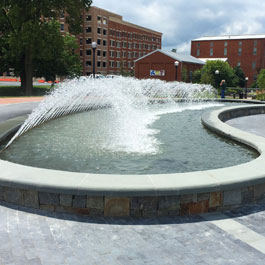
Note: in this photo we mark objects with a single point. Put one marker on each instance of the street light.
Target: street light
(176, 63)
(216, 78)
(246, 88)
(94, 46)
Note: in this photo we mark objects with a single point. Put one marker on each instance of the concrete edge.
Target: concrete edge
(45, 180)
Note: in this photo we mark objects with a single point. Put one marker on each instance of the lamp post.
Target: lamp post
(176, 63)
(246, 88)
(216, 77)
(94, 46)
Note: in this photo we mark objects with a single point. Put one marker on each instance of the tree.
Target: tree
(225, 72)
(261, 79)
(196, 76)
(24, 29)
(239, 77)
(60, 59)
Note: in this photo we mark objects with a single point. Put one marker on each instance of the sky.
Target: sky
(180, 21)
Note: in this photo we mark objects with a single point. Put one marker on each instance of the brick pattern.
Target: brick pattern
(159, 61)
(246, 59)
(141, 206)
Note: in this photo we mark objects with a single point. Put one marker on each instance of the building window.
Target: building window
(88, 41)
(98, 63)
(211, 51)
(81, 53)
(104, 54)
(140, 46)
(104, 43)
(88, 63)
(99, 52)
(88, 52)
(255, 51)
(111, 54)
(104, 21)
(99, 41)
(255, 43)
(239, 51)
(253, 65)
(211, 44)
(104, 64)
(118, 54)
(99, 19)
(238, 64)
(225, 44)
(129, 55)
(240, 43)
(255, 78)
(225, 51)
(88, 29)
(124, 45)
(81, 41)
(88, 18)
(118, 64)
(124, 54)
(124, 64)
(118, 44)
(104, 32)
(99, 30)
(62, 27)
(112, 43)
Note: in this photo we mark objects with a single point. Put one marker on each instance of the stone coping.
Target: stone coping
(61, 182)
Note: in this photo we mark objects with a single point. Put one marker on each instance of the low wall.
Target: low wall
(143, 195)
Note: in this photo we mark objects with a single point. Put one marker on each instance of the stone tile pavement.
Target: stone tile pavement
(40, 237)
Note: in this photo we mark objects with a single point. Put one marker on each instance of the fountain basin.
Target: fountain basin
(144, 195)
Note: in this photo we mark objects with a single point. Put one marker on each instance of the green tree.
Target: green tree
(25, 26)
(184, 74)
(225, 72)
(196, 76)
(60, 59)
(261, 79)
(239, 77)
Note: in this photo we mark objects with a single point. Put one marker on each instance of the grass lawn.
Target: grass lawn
(15, 91)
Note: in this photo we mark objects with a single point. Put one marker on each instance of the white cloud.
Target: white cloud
(181, 21)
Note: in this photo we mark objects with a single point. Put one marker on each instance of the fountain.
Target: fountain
(125, 118)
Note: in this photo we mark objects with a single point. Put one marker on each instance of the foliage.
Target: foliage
(225, 73)
(60, 59)
(260, 96)
(196, 76)
(184, 74)
(27, 26)
(239, 77)
(261, 79)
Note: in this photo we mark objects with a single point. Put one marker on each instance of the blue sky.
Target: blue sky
(180, 21)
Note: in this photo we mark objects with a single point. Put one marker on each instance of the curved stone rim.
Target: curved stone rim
(54, 181)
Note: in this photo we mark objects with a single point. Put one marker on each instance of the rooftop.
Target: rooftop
(232, 37)
(177, 56)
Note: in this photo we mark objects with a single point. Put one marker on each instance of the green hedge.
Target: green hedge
(260, 96)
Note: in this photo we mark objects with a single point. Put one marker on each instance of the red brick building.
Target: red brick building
(119, 42)
(168, 66)
(246, 51)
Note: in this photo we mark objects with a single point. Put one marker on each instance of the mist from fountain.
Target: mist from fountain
(129, 100)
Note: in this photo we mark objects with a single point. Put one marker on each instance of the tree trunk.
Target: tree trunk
(28, 71)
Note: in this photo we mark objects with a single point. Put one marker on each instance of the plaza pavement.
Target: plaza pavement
(30, 236)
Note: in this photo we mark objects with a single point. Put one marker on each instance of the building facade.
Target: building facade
(246, 51)
(119, 43)
(168, 66)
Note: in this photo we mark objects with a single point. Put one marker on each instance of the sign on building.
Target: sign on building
(157, 72)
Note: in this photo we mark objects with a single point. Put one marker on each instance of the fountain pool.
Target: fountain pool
(132, 110)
